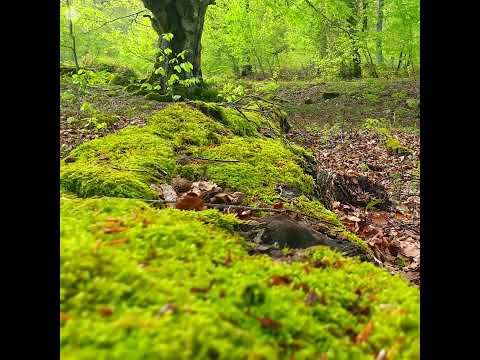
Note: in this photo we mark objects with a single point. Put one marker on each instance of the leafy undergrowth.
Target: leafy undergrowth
(143, 283)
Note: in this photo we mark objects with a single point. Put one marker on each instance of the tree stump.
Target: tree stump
(352, 190)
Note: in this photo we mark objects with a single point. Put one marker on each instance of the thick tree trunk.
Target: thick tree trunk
(379, 31)
(184, 19)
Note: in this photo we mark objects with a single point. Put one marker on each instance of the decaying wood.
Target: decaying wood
(352, 190)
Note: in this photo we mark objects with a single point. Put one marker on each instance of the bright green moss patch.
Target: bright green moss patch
(184, 125)
(240, 122)
(126, 163)
(394, 146)
(122, 164)
(262, 164)
(143, 283)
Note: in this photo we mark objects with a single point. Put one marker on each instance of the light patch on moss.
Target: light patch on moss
(161, 257)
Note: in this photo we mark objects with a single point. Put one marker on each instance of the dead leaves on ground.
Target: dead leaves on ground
(393, 237)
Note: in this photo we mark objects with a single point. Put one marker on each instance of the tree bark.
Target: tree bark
(72, 35)
(184, 19)
(379, 31)
(353, 34)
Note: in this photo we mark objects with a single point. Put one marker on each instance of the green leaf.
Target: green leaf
(173, 79)
(168, 37)
(168, 51)
(182, 54)
(160, 71)
(187, 66)
(178, 69)
(176, 97)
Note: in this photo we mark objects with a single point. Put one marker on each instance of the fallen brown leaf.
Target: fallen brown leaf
(106, 311)
(190, 202)
(280, 280)
(115, 229)
(268, 323)
(365, 333)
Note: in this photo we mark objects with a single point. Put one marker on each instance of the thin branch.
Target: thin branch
(119, 18)
(218, 160)
(333, 23)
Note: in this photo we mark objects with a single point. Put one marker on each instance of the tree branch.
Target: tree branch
(119, 18)
(333, 23)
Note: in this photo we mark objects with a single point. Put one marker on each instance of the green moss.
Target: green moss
(184, 125)
(158, 97)
(122, 164)
(263, 164)
(393, 145)
(163, 257)
(241, 122)
(123, 76)
(333, 226)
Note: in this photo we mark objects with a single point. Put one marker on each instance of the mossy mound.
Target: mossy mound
(262, 165)
(241, 123)
(143, 283)
(126, 163)
(122, 164)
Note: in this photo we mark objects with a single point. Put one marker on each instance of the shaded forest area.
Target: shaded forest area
(240, 179)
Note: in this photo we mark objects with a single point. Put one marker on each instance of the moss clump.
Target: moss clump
(183, 125)
(394, 146)
(335, 228)
(122, 164)
(158, 97)
(262, 165)
(123, 76)
(142, 283)
(241, 123)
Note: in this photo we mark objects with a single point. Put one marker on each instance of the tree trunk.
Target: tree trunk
(353, 34)
(72, 35)
(379, 31)
(184, 19)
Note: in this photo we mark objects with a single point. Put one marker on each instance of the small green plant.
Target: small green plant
(67, 96)
(399, 95)
(267, 87)
(373, 98)
(95, 119)
(231, 92)
(381, 126)
(173, 70)
(373, 203)
(393, 145)
(399, 262)
(363, 167)
(85, 78)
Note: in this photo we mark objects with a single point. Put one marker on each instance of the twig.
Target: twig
(139, 170)
(110, 21)
(219, 160)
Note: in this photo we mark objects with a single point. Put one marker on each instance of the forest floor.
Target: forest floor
(336, 130)
(330, 118)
